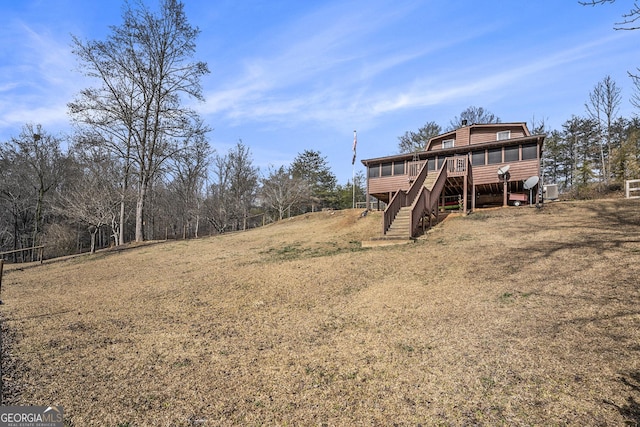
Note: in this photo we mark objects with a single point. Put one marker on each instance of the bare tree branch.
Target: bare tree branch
(630, 18)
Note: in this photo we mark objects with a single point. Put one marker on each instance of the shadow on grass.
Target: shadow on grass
(631, 409)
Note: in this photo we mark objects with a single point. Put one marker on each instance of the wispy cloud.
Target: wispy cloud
(319, 78)
(38, 78)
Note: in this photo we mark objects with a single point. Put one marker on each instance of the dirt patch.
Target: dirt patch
(517, 316)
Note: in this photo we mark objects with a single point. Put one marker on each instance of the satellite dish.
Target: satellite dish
(503, 170)
(531, 182)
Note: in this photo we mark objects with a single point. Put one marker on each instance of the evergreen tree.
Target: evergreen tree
(313, 169)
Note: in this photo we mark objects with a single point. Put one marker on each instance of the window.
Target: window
(505, 134)
(448, 143)
(398, 168)
(374, 171)
(529, 151)
(431, 164)
(511, 154)
(495, 156)
(386, 169)
(477, 158)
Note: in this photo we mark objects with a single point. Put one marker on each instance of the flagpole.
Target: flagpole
(353, 184)
(353, 168)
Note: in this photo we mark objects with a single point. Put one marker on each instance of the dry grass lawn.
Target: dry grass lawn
(513, 316)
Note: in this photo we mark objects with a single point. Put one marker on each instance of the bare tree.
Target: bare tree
(629, 22)
(94, 200)
(144, 69)
(603, 107)
(190, 174)
(40, 152)
(635, 97)
(473, 115)
(281, 191)
(218, 194)
(243, 184)
(629, 19)
(417, 141)
(15, 200)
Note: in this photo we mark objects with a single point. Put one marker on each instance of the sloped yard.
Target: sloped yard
(513, 316)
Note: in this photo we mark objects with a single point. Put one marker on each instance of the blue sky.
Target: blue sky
(290, 75)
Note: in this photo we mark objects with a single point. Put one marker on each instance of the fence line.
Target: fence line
(629, 189)
(21, 251)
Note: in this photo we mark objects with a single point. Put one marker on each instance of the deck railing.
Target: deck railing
(457, 166)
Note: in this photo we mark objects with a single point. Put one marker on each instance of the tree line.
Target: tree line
(139, 164)
(78, 199)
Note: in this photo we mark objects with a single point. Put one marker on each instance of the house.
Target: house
(474, 165)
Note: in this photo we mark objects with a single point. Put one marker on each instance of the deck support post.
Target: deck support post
(465, 191)
(504, 192)
(473, 197)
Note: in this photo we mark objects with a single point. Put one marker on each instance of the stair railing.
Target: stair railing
(427, 200)
(397, 202)
(402, 198)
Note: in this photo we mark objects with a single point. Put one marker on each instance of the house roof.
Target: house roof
(457, 150)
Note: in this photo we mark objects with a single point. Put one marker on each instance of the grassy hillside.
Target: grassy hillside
(514, 316)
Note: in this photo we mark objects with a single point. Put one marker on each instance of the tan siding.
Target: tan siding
(489, 135)
(436, 144)
(519, 171)
(462, 136)
(388, 184)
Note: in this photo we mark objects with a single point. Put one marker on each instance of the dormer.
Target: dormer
(478, 134)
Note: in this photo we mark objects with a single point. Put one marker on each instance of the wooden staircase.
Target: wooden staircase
(407, 210)
(401, 225)
(430, 181)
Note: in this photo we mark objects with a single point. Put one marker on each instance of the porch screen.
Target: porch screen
(495, 156)
(398, 168)
(477, 158)
(529, 152)
(374, 171)
(386, 169)
(431, 164)
(511, 154)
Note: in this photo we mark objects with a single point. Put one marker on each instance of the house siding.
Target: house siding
(480, 136)
(388, 184)
(488, 174)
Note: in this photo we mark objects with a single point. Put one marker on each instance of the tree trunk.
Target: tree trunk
(120, 240)
(93, 240)
(142, 192)
(36, 229)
